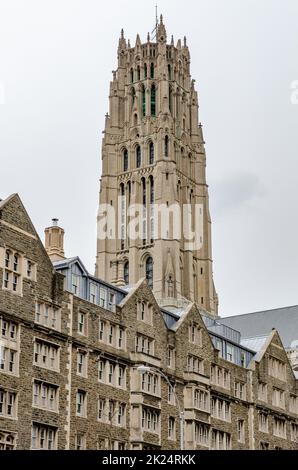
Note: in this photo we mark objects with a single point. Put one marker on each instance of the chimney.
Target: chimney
(54, 241)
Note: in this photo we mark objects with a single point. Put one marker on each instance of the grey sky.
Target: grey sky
(56, 59)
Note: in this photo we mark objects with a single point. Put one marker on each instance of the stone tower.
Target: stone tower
(153, 155)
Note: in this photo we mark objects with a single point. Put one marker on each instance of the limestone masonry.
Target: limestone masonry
(135, 356)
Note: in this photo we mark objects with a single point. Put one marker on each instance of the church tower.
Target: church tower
(153, 156)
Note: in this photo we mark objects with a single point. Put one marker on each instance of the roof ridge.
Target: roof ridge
(259, 311)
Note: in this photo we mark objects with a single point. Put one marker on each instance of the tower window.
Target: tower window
(125, 160)
(126, 272)
(166, 146)
(145, 71)
(152, 70)
(153, 100)
(169, 72)
(138, 156)
(151, 153)
(143, 101)
(170, 99)
(149, 271)
(138, 73)
(144, 191)
(133, 96)
(131, 75)
(151, 189)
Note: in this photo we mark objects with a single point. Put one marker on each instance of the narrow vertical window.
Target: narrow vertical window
(125, 160)
(143, 101)
(133, 96)
(123, 219)
(126, 272)
(170, 99)
(138, 156)
(138, 73)
(144, 215)
(169, 72)
(151, 153)
(149, 271)
(153, 100)
(131, 75)
(152, 70)
(145, 71)
(166, 146)
(151, 183)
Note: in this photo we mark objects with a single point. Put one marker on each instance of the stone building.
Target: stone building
(73, 350)
(136, 357)
(153, 156)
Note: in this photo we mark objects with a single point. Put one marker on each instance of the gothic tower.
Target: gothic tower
(153, 155)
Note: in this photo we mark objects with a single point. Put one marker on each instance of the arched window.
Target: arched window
(143, 101)
(151, 182)
(138, 156)
(151, 189)
(151, 153)
(138, 73)
(170, 99)
(125, 160)
(166, 146)
(122, 211)
(144, 215)
(153, 100)
(15, 262)
(179, 190)
(145, 71)
(131, 75)
(149, 271)
(7, 258)
(152, 70)
(143, 191)
(133, 96)
(129, 191)
(169, 72)
(126, 272)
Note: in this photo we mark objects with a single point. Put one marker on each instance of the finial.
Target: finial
(161, 18)
(148, 37)
(172, 40)
(128, 43)
(184, 41)
(122, 33)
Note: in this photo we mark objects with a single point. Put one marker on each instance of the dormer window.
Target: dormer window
(75, 283)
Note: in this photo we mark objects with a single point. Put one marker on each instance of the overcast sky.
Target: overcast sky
(56, 58)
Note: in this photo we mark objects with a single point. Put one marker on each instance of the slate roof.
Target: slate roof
(256, 324)
(255, 343)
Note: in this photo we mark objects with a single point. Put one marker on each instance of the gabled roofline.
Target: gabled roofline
(16, 195)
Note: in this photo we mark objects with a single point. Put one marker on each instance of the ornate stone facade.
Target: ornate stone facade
(153, 155)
